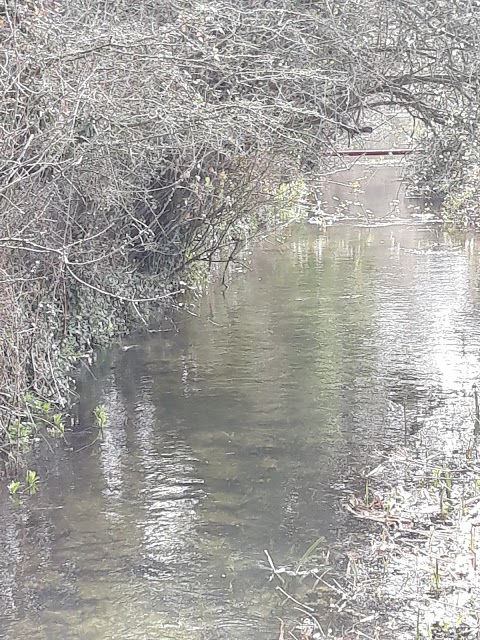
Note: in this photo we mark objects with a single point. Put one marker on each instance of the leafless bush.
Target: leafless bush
(138, 137)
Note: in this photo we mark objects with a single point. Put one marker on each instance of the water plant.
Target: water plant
(436, 580)
(20, 433)
(31, 485)
(57, 428)
(447, 477)
(309, 552)
(32, 481)
(367, 492)
(100, 417)
(13, 487)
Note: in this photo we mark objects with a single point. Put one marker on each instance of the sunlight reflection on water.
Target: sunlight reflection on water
(242, 432)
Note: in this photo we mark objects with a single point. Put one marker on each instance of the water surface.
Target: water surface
(241, 430)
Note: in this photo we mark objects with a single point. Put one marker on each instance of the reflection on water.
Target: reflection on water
(238, 433)
(368, 192)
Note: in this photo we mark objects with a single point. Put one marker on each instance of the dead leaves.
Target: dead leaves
(376, 512)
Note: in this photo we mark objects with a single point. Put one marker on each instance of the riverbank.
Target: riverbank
(125, 175)
(39, 382)
(411, 570)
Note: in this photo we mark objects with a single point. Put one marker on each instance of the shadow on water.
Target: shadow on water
(243, 431)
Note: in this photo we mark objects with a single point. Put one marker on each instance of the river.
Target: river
(241, 430)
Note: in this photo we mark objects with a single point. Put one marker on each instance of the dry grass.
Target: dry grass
(412, 569)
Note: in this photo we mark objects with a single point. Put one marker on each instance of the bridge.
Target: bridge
(370, 152)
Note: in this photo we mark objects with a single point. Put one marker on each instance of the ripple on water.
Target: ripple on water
(241, 433)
